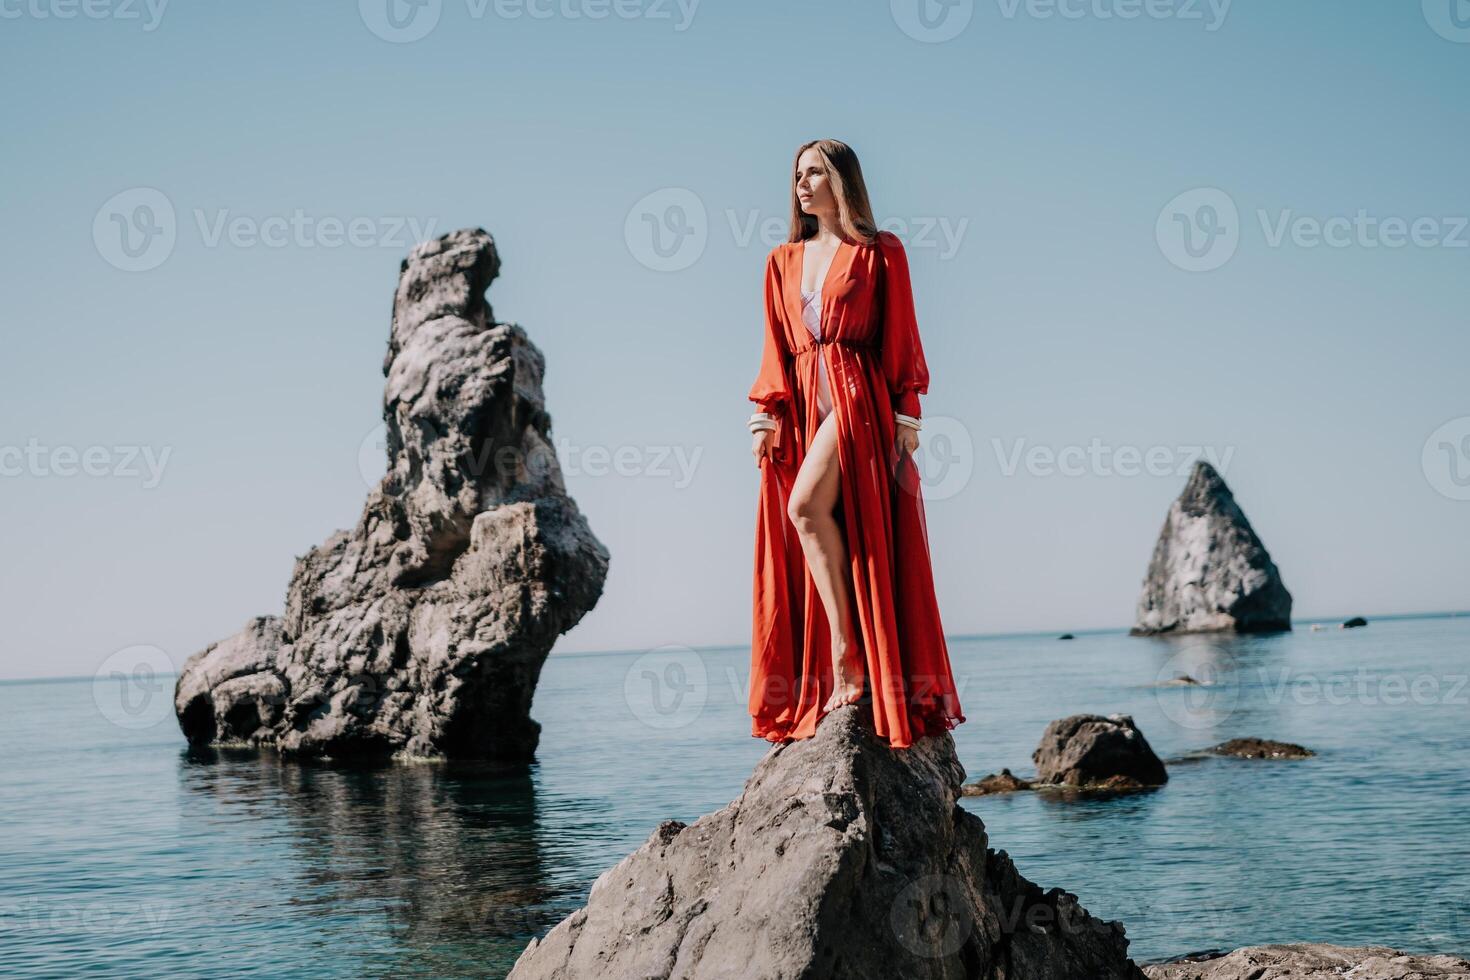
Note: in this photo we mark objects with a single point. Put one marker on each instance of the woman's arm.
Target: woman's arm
(771, 390)
(903, 354)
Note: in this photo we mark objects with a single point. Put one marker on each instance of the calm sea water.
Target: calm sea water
(125, 855)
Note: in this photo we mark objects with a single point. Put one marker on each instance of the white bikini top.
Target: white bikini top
(811, 313)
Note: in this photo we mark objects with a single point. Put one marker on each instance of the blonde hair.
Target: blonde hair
(845, 174)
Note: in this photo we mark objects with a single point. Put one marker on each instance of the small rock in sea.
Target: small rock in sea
(1355, 622)
(995, 784)
(1311, 961)
(1090, 751)
(1180, 680)
(842, 858)
(1066, 636)
(1260, 748)
(1209, 571)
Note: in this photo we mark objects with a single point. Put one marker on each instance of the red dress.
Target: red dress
(875, 366)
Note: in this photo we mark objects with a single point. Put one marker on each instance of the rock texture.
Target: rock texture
(1260, 748)
(843, 859)
(1311, 961)
(1209, 571)
(1092, 751)
(422, 631)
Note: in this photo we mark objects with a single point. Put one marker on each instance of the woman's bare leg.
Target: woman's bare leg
(814, 495)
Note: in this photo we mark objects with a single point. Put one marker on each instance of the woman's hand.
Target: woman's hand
(907, 440)
(760, 445)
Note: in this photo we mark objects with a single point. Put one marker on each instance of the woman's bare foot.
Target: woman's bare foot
(848, 674)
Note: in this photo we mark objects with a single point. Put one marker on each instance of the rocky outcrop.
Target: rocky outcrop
(422, 631)
(1209, 571)
(1313, 961)
(1354, 623)
(842, 858)
(1260, 748)
(1092, 751)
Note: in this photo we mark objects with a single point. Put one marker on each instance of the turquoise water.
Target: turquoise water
(125, 855)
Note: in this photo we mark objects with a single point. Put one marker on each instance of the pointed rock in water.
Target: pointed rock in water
(1209, 571)
(843, 859)
(422, 631)
(1091, 751)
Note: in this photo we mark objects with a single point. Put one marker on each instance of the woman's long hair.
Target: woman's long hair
(845, 175)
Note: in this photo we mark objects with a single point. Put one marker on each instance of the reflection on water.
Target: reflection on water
(436, 864)
(127, 854)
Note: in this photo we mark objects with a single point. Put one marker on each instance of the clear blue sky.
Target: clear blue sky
(1047, 142)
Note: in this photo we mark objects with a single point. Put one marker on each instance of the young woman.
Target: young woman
(844, 593)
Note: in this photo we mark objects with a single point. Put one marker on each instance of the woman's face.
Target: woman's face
(813, 191)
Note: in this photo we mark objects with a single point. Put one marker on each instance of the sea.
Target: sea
(126, 854)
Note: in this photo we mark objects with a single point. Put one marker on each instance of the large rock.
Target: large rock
(843, 859)
(1313, 961)
(1091, 751)
(1209, 571)
(422, 631)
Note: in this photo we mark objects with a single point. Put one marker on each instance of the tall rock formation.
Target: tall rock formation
(1209, 571)
(842, 859)
(421, 632)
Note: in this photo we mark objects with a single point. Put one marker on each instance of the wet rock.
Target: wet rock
(1209, 571)
(1313, 961)
(995, 784)
(843, 859)
(1260, 748)
(422, 630)
(1095, 751)
(1354, 623)
(1066, 636)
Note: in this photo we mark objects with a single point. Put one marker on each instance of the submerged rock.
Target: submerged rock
(1092, 751)
(842, 859)
(995, 784)
(422, 631)
(1312, 961)
(1209, 571)
(1260, 748)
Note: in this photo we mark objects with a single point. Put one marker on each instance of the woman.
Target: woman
(844, 593)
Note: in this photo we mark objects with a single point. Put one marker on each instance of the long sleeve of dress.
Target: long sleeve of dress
(903, 354)
(772, 387)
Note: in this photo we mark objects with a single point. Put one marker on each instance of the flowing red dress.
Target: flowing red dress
(875, 366)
